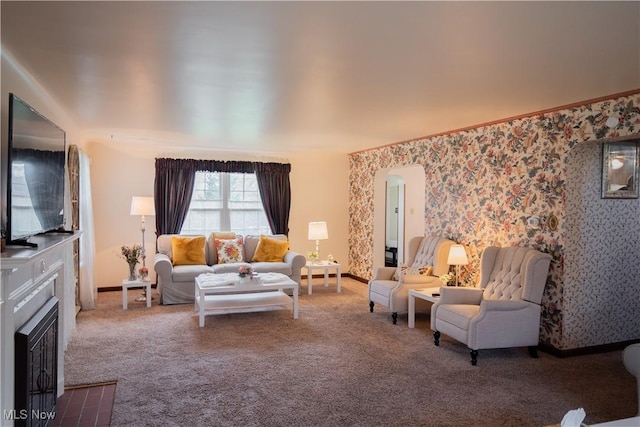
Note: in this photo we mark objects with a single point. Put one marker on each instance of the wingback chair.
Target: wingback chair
(631, 359)
(504, 311)
(390, 288)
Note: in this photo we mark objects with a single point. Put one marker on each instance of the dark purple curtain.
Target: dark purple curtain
(173, 189)
(174, 186)
(275, 192)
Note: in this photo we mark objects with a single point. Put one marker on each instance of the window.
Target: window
(225, 202)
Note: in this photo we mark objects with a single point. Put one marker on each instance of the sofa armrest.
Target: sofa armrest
(384, 273)
(418, 279)
(296, 261)
(163, 267)
(503, 305)
(457, 295)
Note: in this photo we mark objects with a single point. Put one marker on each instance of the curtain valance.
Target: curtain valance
(229, 166)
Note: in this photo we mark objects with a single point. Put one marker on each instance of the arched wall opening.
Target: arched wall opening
(413, 177)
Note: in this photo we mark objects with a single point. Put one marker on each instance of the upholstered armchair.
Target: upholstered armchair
(631, 359)
(390, 288)
(504, 311)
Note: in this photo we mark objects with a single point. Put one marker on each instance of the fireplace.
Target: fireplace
(36, 367)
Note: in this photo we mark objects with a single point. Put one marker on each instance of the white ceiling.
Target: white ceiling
(343, 76)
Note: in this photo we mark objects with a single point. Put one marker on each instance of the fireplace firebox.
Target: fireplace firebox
(36, 367)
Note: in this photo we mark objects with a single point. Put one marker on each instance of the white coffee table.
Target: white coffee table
(325, 266)
(425, 294)
(223, 293)
(126, 284)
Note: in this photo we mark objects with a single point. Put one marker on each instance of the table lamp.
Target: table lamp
(142, 206)
(457, 257)
(318, 231)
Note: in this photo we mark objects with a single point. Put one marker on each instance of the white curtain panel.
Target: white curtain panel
(88, 291)
(68, 311)
(68, 303)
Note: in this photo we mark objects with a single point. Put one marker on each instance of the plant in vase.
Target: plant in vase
(245, 272)
(446, 279)
(143, 272)
(313, 256)
(132, 255)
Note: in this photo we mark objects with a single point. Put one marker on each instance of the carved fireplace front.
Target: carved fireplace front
(36, 367)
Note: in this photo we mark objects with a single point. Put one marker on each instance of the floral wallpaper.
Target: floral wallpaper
(483, 184)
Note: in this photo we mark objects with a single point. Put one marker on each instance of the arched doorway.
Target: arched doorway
(410, 209)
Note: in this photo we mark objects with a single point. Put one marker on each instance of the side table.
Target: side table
(126, 284)
(425, 294)
(325, 266)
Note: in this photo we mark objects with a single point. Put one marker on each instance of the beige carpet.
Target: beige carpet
(337, 365)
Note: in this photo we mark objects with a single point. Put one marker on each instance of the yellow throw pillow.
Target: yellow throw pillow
(270, 250)
(188, 250)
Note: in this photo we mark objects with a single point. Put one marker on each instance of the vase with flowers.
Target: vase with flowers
(132, 255)
(143, 272)
(246, 273)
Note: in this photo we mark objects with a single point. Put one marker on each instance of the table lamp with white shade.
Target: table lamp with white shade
(142, 206)
(318, 231)
(457, 257)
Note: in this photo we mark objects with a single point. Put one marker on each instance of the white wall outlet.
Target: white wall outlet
(534, 222)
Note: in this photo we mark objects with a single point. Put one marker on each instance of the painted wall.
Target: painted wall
(483, 184)
(15, 80)
(119, 171)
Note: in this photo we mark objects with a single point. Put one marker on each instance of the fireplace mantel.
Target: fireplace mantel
(30, 277)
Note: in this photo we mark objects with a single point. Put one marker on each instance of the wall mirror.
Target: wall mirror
(620, 170)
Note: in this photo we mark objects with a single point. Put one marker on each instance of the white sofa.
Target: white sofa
(176, 284)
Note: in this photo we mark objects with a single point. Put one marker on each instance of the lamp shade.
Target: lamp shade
(457, 256)
(142, 206)
(318, 230)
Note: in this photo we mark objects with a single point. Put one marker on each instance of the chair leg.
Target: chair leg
(394, 317)
(436, 338)
(474, 357)
(371, 306)
(533, 351)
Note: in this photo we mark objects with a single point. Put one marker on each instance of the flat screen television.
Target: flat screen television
(36, 174)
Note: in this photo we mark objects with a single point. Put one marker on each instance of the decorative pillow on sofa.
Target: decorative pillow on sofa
(188, 250)
(229, 250)
(270, 249)
(412, 274)
(211, 242)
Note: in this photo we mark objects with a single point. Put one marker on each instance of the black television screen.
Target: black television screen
(36, 166)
